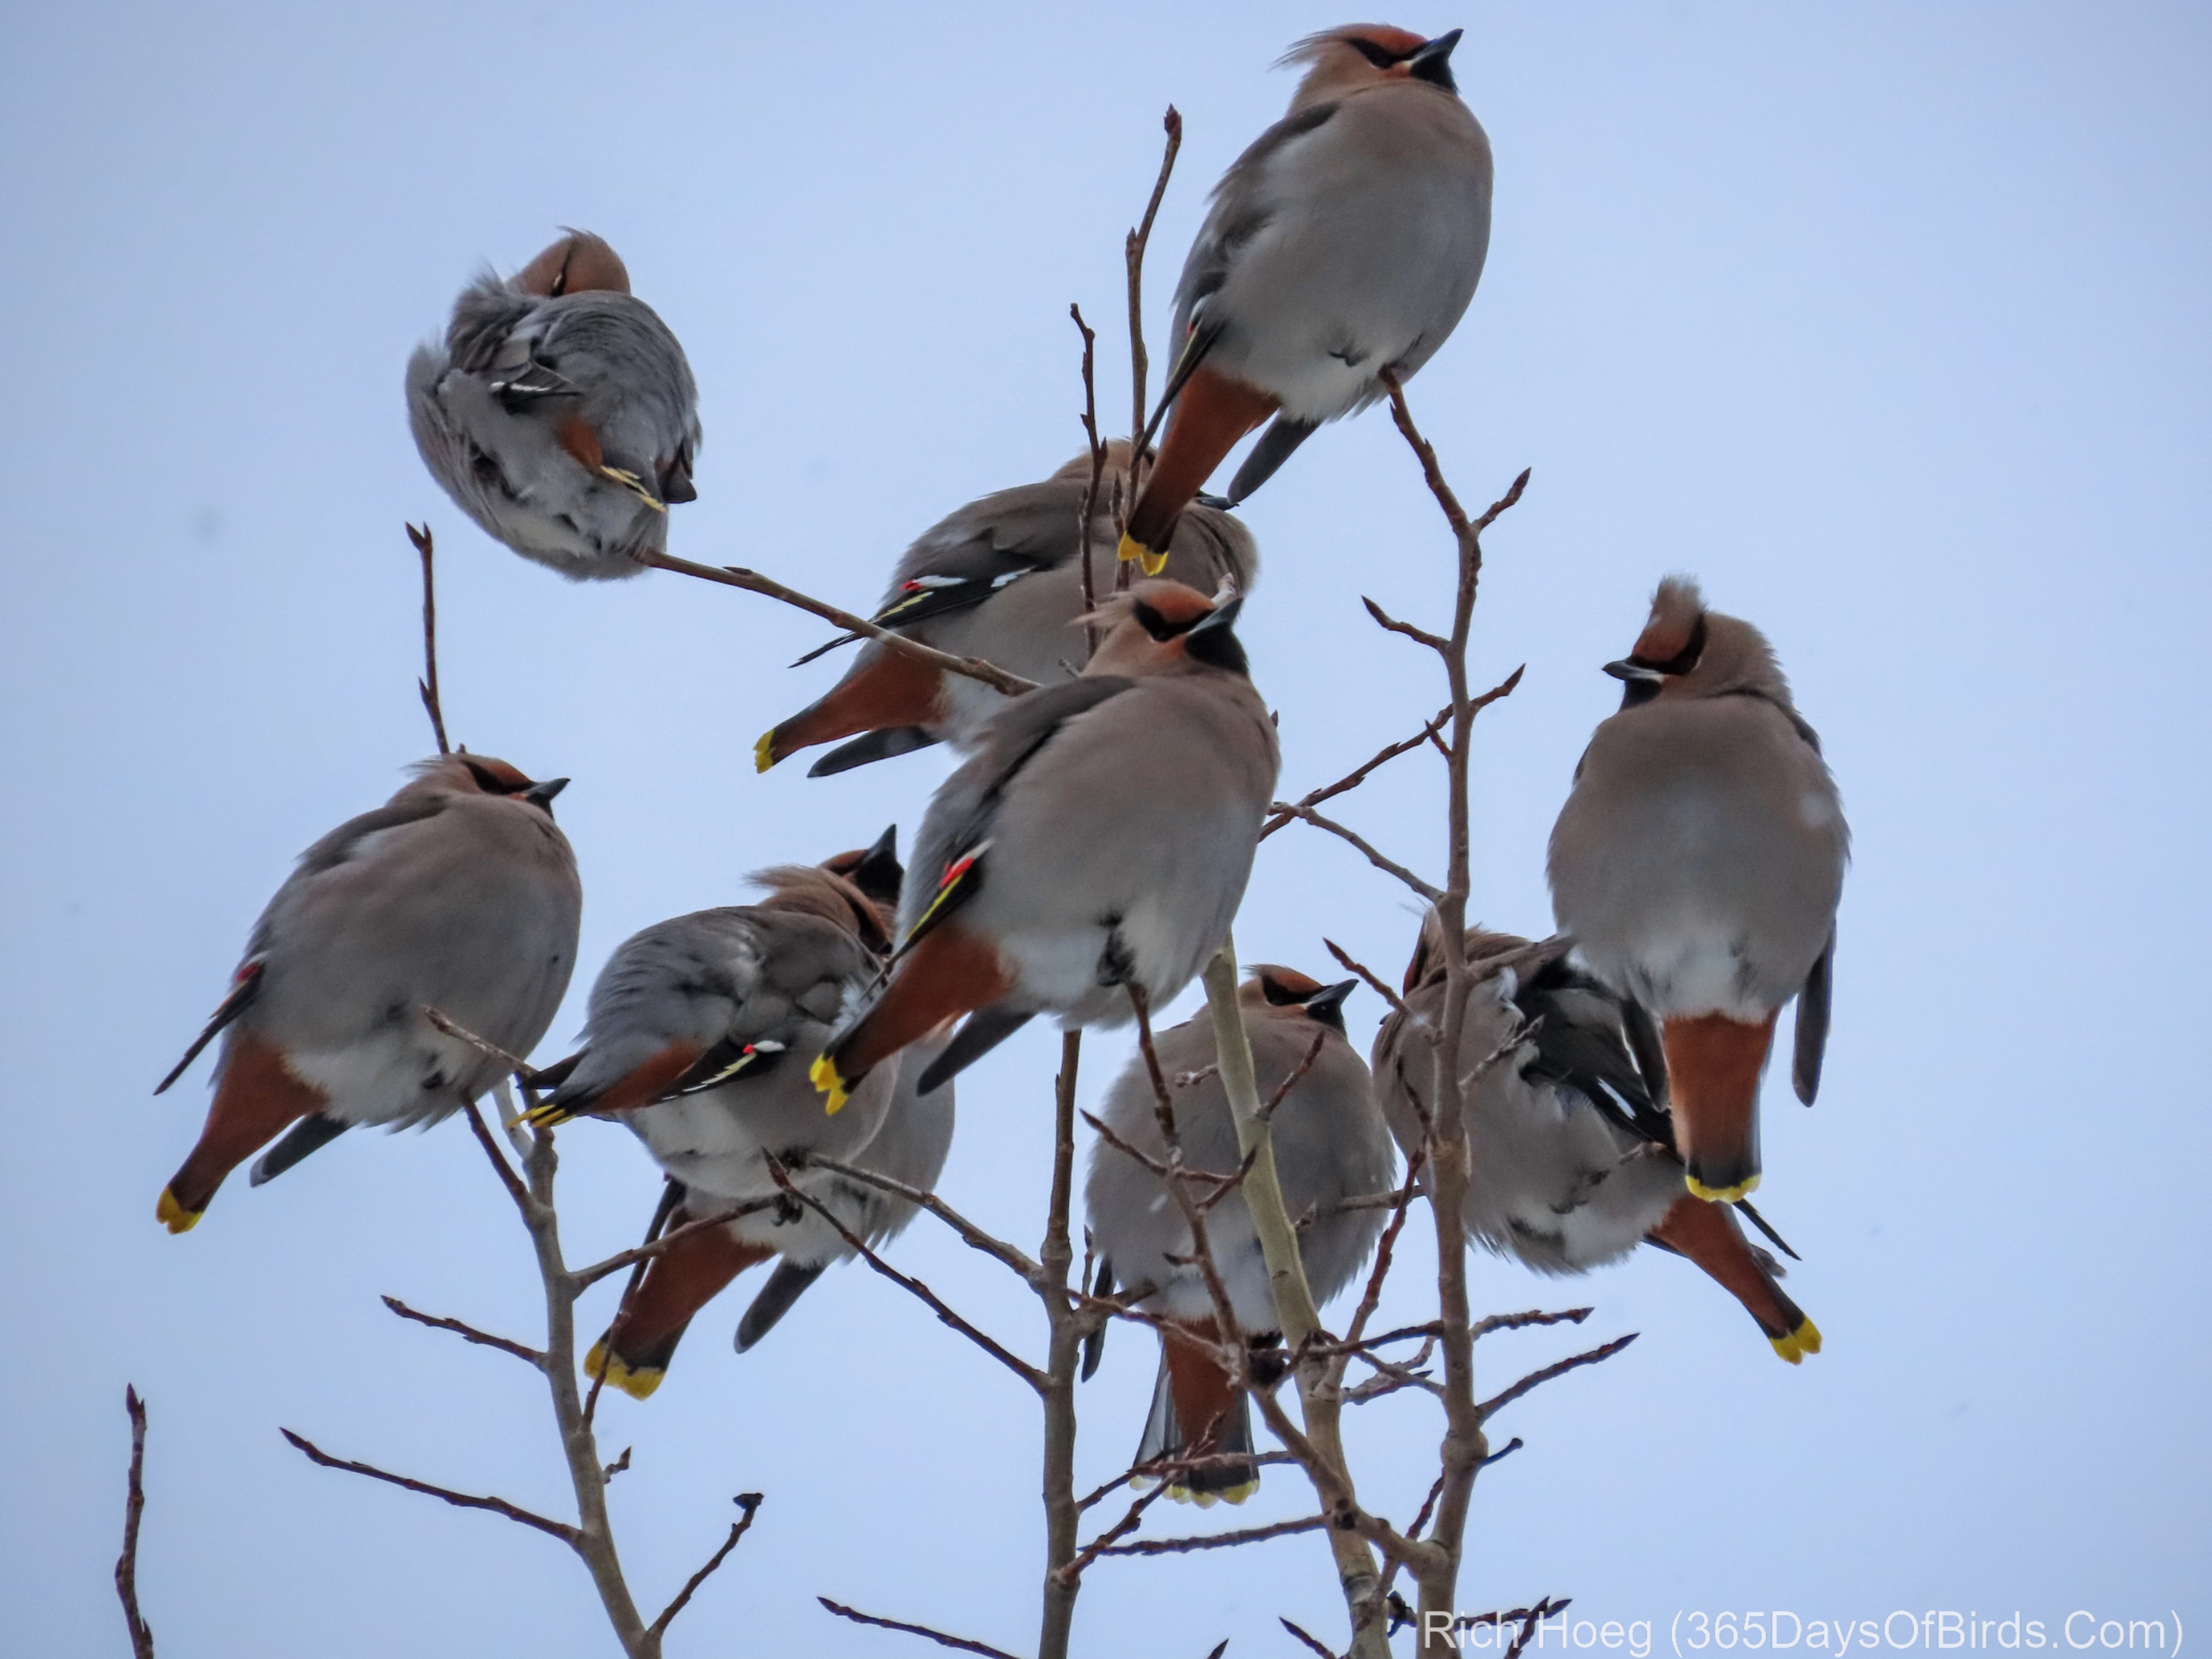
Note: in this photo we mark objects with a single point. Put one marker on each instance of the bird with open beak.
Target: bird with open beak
(998, 580)
(1697, 865)
(559, 412)
(1100, 836)
(1346, 241)
(1330, 1143)
(1571, 1151)
(459, 894)
(697, 1039)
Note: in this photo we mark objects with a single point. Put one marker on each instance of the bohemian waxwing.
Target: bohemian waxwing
(1571, 1152)
(698, 1036)
(998, 580)
(1100, 835)
(559, 412)
(1330, 1143)
(1346, 241)
(1697, 865)
(459, 894)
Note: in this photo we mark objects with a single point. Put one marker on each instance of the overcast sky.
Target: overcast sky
(1889, 321)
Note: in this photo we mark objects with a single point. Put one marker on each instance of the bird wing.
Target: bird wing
(1241, 210)
(979, 549)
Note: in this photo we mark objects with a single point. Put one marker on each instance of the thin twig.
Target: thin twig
(1358, 774)
(1121, 1529)
(1090, 490)
(1524, 1321)
(618, 1465)
(1389, 865)
(937, 1636)
(467, 1332)
(752, 581)
(567, 1535)
(936, 1303)
(671, 1194)
(749, 1502)
(1172, 122)
(1305, 1636)
(134, 1507)
(513, 1182)
(1344, 959)
(1218, 1540)
(584, 1278)
(1536, 1379)
(1293, 1076)
(971, 1234)
(428, 685)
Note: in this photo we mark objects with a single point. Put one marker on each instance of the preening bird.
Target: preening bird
(459, 894)
(1346, 241)
(1697, 865)
(697, 1038)
(1571, 1156)
(559, 412)
(1330, 1143)
(1100, 835)
(998, 580)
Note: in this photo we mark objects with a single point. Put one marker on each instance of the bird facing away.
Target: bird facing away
(1100, 836)
(1330, 1143)
(998, 580)
(559, 412)
(1571, 1156)
(1346, 241)
(698, 1036)
(459, 894)
(1697, 865)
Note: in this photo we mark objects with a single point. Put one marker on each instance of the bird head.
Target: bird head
(877, 874)
(1161, 627)
(1362, 55)
(1285, 991)
(578, 261)
(464, 774)
(1688, 651)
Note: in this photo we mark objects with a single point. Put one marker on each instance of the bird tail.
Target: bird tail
(258, 1099)
(1707, 1235)
(1199, 1410)
(634, 1354)
(1211, 416)
(951, 970)
(785, 1286)
(885, 690)
(1713, 1065)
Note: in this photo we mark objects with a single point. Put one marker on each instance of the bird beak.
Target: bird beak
(541, 794)
(1323, 1003)
(1224, 617)
(1625, 670)
(1429, 63)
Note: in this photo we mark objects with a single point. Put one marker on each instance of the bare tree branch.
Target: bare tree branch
(1313, 1645)
(752, 581)
(971, 1234)
(1382, 861)
(937, 1636)
(1172, 122)
(467, 1333)
(1537, 1379)
(315, 1453)
(1358, 774)
(134, 1508)
(1217, 1540)
(1345, 959)
(428, 685)
(1089, 490)
(750, 1502)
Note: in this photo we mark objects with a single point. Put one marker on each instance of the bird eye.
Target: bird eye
(1157, 625)
(1374, 54)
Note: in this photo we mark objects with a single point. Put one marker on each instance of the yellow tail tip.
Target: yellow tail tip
(1133, 551)
(822, 1074)
(1207, 1500)
(1805, 1340)
(175, 1216)
(638, 1384)
(764, 752)
(1734, 1194)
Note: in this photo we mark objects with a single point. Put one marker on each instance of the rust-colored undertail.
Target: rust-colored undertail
(1707, 1235)
(258, 1099)
(1211, 416)
(951, 971)
(1713, 1064)
(891, 690)
(1198, 1409)
(677, 1284)
(643, 1085)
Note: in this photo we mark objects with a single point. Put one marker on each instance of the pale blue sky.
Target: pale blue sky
(1890, 321)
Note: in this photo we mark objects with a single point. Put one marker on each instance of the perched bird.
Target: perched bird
(459, 894)
(1697, 865)
(559, 413)
(1346, 241)
(698, 1036)
(1330, 1143)
(1571, 1155)
(1100, 836)
(998, 580)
